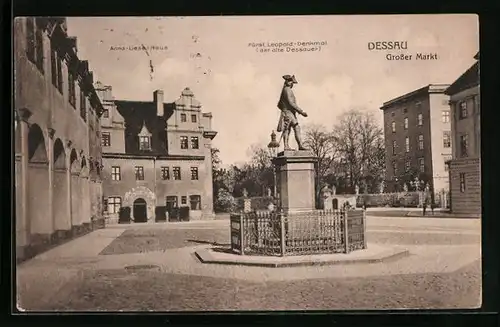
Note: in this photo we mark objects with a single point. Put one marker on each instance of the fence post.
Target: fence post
(364, 229)
(282, 234)
(346, 231)
(242, 239)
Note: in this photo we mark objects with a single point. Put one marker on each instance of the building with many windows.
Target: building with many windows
(157, 158)
(465, 166)
(417, 132)
(57, 142)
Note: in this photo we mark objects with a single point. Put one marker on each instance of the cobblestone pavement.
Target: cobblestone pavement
(90, 273)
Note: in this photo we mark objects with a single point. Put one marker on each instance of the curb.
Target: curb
(205, 256)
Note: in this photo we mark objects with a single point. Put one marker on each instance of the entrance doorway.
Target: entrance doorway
(140, 211)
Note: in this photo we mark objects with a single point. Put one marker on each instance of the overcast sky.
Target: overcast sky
(241, 86)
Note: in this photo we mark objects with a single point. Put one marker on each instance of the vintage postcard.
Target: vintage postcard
(227, 163)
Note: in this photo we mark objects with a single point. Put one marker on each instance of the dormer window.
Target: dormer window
(145, 142)
(144, 138)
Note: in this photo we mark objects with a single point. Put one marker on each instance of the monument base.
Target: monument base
(295, 170)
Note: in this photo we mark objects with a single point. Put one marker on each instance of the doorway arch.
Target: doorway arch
(140, 211)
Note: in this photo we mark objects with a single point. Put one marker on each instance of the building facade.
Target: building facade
(417, 132)
(58, 189)
(465, 166)
(157, 158)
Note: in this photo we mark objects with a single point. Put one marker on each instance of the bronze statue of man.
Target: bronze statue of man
(289, 108)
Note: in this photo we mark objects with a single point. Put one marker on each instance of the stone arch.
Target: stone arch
(74, 162)
(146, 194)
(75, 193)
(84, 167)
(38, 181)
(60, 188)
(59, 156)
(37, 152)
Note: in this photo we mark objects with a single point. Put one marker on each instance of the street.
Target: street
(151, 267)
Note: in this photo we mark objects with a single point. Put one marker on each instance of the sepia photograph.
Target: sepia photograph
(247, 163)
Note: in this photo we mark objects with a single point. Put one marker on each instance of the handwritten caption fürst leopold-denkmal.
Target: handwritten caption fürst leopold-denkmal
(287, 46)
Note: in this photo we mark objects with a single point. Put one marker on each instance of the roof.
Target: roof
(140, 114)
(431, 88)
(467, 80)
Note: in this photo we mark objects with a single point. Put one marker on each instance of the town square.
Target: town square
(160, 169)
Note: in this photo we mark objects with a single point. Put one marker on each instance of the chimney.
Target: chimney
(158, 99)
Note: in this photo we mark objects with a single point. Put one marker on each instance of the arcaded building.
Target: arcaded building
(417, 132)
(157, 158)
(58, 192)
(465, 166)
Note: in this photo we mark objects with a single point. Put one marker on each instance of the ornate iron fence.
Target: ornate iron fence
(314, 232)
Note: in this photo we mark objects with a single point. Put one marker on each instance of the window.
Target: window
(463, 109)
(184, 200)
(394, 146)
(464, 145)
(421, 142)
(395, 168)
(165, 173)
(407, 165)
(139, 173)
(393, 127)
(184, 142)
(418, 104)
(183, 118)
(447, 139)
(34, 43)
(105, 113)
(56, 68)
(83, 106)
(105, 139)
(71, 89)
(193, 118)
(406, 122)
(421, 164)
(144, 143)
(462, 182)
(194, 142)
(445, 116)
(115, 173)
(194, 173)
(405, 110)
(195, 202)
(177, 173)
(393, 114)
(420, 119)
(407, 144)
(114, 204)
(172, 201)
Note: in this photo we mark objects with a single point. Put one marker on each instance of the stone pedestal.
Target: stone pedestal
(296, 180)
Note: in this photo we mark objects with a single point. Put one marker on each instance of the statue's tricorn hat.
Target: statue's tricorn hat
(290, 78)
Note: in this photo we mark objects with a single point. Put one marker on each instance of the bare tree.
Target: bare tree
(320, 142)
(359, 142)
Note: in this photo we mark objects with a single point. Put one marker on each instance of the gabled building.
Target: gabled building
(417, 132)
(57, 138)
(157, 158)
(465, 165)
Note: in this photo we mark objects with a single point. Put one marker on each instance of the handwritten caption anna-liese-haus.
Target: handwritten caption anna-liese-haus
(288, 47)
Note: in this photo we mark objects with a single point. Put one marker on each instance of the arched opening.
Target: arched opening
(60, 192)
(140, 211)
(39, 213)
(75, 188)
